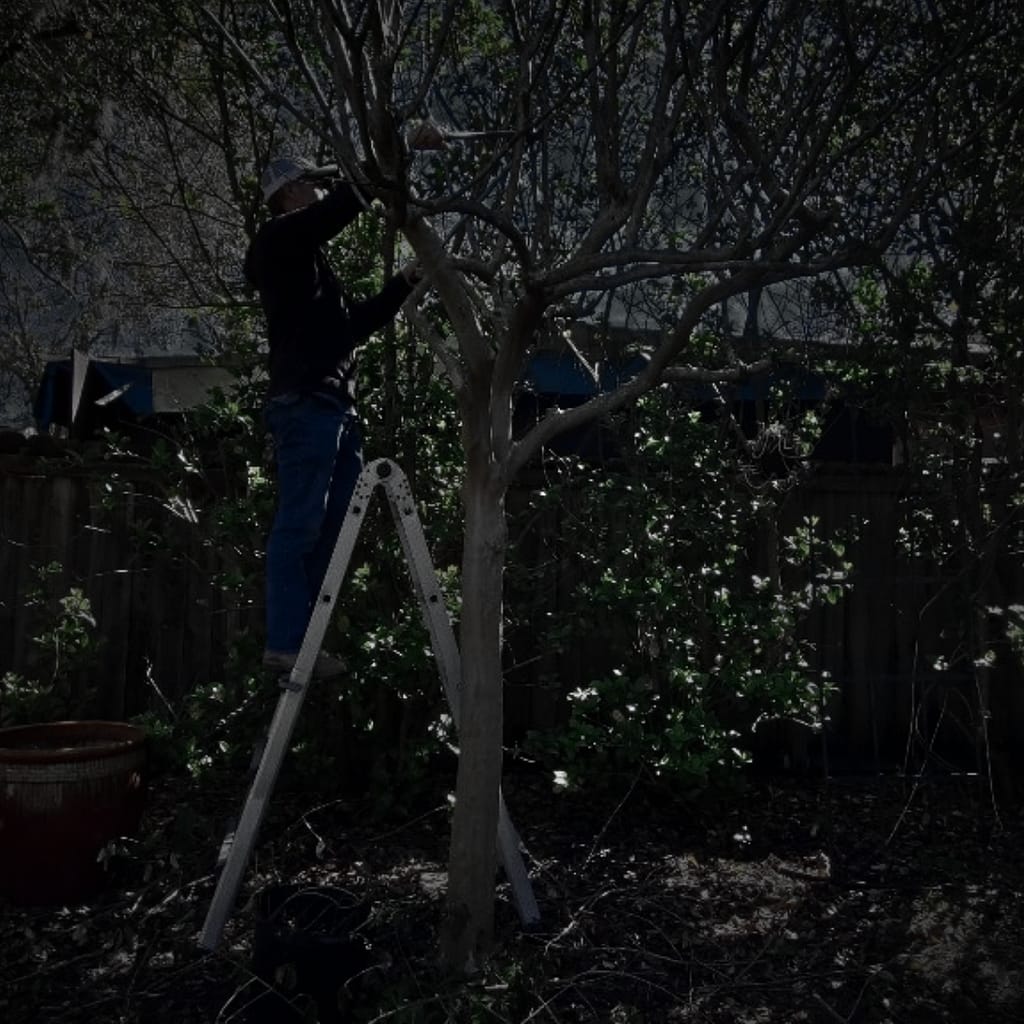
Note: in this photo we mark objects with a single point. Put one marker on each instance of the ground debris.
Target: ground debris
(789, 903)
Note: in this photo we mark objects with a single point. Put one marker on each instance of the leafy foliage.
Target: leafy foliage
(686, 608)
(61, 686)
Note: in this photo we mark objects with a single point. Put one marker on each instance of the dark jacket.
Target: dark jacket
(312, 327)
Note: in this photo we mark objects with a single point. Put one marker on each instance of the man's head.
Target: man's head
(289, 183)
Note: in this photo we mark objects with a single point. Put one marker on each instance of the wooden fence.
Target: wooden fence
(895, 644)
(891, 646)
(166, 625)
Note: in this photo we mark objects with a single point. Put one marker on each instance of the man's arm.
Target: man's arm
(377, 312)
(317, 223)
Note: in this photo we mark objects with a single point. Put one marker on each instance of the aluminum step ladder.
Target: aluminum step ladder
(237, 846)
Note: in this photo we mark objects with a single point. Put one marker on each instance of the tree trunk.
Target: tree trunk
(469, 919)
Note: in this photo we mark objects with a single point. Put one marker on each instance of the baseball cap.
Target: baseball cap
(286, 169)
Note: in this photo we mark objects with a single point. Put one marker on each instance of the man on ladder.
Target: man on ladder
(313, 329)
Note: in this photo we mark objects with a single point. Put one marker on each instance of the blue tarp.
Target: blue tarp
(547, 373)
(130, 386)
(558, 373)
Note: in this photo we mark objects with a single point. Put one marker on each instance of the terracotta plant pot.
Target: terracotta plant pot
(66, 790)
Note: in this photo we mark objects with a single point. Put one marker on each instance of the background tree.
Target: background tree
(122, 185)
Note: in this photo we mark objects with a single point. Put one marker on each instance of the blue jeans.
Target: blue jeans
(319, 457)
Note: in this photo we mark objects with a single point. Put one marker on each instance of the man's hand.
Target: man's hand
(425, 136)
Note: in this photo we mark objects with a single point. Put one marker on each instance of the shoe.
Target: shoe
(326, 665)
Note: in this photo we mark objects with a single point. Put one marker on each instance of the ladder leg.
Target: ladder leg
(511, 856)
(239, 846)
(241, 843)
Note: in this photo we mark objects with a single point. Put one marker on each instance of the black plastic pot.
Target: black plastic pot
(307, 945)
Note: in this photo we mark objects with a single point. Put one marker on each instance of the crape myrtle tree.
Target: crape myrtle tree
(646, 162)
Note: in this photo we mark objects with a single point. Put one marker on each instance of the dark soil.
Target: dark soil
(848, 901)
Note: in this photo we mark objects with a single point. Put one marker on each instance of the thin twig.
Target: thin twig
(611, 818)
(828, 1009)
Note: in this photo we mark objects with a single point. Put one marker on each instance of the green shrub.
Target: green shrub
(685, 606)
